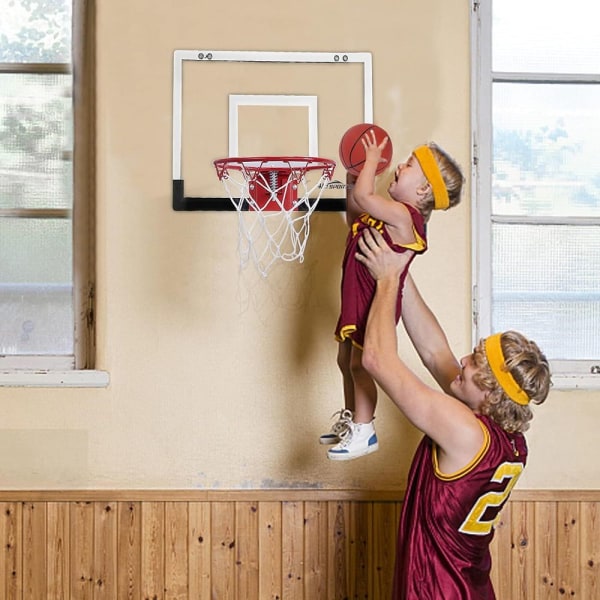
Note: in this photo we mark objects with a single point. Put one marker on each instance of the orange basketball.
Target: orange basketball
(352, 152)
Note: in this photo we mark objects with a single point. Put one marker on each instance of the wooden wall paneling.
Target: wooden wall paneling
(590, 550)
(176, 551)
(239, 546)
(522, 525)
(34, 550)
(11, 559)
(568, 549)
(316, 533)
(246, 550)
(501, 549)
(58, 554)
(81, 544)
(360, 556)
(545, 557)
(269, 549)
(200, 545)
(129, 550)
(153, 550)
(385, 528)
(105, 550)
(223, 546)
(399, 507)
(338, 553)
(292, 550)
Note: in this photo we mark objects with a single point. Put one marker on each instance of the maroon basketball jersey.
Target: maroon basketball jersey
(447, 521)
(358, 285)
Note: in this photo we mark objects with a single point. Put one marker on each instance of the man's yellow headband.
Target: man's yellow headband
(431, 170)
(495, 358)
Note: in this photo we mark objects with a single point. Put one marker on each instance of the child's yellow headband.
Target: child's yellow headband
(431, 170)
(495, 358)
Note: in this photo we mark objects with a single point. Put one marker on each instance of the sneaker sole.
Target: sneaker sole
(348, 456)
(329, 441)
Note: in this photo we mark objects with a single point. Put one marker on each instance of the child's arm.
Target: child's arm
(352, 208)
(365, 195)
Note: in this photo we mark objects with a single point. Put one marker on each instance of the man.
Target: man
(473, 450)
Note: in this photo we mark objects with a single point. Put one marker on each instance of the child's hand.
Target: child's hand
(373, 151)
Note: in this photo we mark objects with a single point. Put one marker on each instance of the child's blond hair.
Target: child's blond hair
(452, 176)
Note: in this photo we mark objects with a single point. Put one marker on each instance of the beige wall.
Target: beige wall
(220, 379)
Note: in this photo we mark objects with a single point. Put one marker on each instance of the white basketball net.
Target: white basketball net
(274, 199)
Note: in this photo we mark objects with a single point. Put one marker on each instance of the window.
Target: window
(536, 85)
(46, 185)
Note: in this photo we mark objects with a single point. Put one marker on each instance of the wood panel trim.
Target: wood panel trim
(263, 495)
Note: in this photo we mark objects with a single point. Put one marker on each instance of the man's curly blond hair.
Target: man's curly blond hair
(529, 368)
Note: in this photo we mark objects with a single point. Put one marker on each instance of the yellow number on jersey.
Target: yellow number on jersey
(474, 523)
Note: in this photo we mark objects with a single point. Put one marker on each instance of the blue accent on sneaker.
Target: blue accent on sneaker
(349, 450)
(372, 441)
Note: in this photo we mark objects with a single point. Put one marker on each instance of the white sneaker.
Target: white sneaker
(343, 422)
(358, 440)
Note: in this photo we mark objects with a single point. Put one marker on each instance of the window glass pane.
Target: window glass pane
(548, 36)
(545, 149)
(546, 284)
(35, 141)
(36, 31)
(36, 309)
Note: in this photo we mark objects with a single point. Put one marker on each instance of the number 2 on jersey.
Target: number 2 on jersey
(474, 524)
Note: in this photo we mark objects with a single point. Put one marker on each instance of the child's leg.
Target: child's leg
(344, 363)
(360, 438)
(344, 415)
(365, 390)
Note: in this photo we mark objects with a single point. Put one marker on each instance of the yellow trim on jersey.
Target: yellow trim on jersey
(345, 333)
(419, 243)
(365, 218)
(476, 460)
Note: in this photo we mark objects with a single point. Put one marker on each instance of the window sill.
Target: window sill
(42, 378)
(576, 382)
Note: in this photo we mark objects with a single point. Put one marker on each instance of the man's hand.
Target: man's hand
(379, 258)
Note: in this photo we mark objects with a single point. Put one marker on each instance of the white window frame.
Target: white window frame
(77, 370)
(572, 374)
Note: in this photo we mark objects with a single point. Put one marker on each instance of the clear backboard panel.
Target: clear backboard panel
(244, 104)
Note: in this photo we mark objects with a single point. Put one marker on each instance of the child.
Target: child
(428, 180)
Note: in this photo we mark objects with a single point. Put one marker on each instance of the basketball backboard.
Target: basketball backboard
(247, 103)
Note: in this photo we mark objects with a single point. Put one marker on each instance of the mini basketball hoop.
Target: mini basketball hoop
(274, 198)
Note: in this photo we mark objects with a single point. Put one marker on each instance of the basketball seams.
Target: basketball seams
(353, 164)
(351, 150)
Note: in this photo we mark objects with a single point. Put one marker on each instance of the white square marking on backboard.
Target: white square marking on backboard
(237, 100)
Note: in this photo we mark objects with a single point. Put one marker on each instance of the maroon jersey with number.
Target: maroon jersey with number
(358, 286)
(447, 521)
